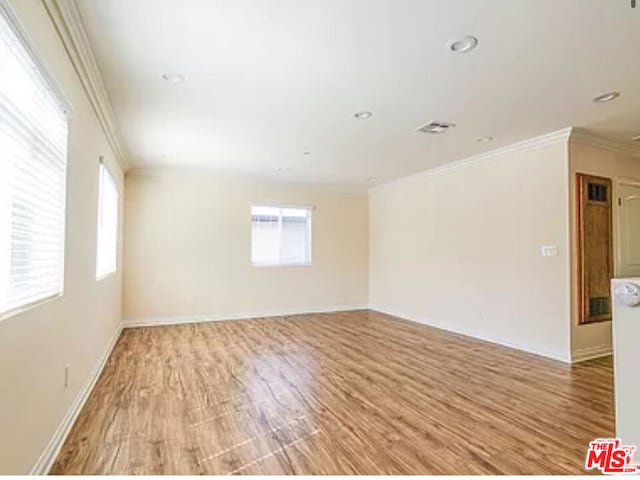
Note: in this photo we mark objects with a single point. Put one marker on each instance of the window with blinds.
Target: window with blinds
(280, 236)
(33, 164)
(106, 257)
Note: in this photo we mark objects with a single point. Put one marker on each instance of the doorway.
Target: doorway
(628, 229)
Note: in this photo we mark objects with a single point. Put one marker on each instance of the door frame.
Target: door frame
(619, 182)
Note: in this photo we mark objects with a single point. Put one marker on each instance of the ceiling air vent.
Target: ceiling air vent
(436, 127)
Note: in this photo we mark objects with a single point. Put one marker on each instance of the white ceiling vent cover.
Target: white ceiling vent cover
(436, 127)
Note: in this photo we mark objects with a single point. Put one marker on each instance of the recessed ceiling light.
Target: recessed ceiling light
(363, 115)
(173, 77)
(606, 97)
(463, 45)
(484, 139)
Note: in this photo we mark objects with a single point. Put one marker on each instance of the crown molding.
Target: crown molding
(585, 137)
(552, 138)
(68, 22)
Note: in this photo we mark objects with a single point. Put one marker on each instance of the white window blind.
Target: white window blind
(33, 164)
(280, 235)
(106, 258)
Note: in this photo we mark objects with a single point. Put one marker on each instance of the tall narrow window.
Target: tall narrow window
(280, 236)
(33, 164)
(106, 258)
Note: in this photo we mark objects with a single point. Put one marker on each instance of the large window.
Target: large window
(106, 258)
(33, 164)
(280, 236)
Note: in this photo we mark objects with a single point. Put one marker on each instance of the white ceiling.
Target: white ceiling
(270, 79)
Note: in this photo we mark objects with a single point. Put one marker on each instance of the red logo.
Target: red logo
(609, 456)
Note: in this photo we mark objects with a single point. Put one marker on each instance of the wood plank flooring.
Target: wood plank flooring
(339, 393)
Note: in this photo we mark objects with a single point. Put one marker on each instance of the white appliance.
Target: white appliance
(626, 350)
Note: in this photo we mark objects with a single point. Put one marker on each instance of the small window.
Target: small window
(597, 192)
(280, 236)
(33, 167)
(107, 254)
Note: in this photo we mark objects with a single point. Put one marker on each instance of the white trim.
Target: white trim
(590, 353)
(33, 304)
(581, 136)
(627, 181)
(573, 135)
(553, 138)
(65, 16)
(283, 264)
(618, 183)
(150, 322)
(104, 276)
(50, 453)
(559, 356)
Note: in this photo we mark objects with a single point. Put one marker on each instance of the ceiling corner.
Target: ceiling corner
(583, 136)
(65, 16)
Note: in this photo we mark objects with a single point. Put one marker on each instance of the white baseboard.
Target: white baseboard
(589, 353)
(48, 456)
(150, 322)
(475, 334)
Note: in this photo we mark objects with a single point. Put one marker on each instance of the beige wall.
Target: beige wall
(73, 330)
(595, 338)
(188, 247)
(460, 249)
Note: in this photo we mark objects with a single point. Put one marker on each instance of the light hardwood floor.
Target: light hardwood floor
(340, 393)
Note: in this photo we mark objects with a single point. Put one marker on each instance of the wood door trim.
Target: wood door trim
(581, 180)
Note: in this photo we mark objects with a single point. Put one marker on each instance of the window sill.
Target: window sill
(29, 306)
(104, 276)
(270, 265)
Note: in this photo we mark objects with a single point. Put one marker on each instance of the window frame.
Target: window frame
(27, 43)
(102, 276)
(16, 26)
(310, 209)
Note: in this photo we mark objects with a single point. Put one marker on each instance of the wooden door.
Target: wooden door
(595, 248)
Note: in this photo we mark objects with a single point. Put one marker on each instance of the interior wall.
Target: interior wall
(188, 249)
(594, 339)
(460, 249)
(73, 330)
